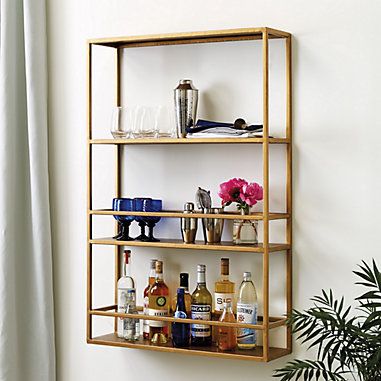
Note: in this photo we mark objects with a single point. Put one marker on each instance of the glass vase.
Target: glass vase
(245, 232)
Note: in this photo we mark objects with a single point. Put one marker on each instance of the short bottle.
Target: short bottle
(227, 336)
(180, 331)
(158, 305)
(125, 283)
(201, 309)
(184, 284)
(131, 325)
(151, 281)
(247, 307)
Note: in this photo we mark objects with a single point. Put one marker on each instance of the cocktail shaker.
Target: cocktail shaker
(186, 99)
(213, 226)
(189, 225)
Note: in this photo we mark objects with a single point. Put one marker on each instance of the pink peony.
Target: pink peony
(230, 190)
(251, 193)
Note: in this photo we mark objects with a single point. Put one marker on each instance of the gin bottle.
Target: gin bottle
(125, 283)
(247, 306)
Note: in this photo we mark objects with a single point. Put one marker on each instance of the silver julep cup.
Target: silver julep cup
(213, 227)
(186, 99)
(189, 225)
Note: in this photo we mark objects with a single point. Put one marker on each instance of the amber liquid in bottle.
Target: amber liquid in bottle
(224, 291)
(158, 305)
(227, 336)
(151, 281)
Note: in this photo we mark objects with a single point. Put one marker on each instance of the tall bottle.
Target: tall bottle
(131, 326)
(125, 283)
(151, 281)
(184, 284)
(180, 331)
(247, 307)
(158, 305)
(227, 336)
(201, 309)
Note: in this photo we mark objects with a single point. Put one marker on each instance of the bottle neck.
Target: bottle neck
(224, 277)
(126, 270)
(159, 277)
(201, 279)
(180, 304)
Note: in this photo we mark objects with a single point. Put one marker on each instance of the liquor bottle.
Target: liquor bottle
(201, 309)
(224, 289)
(180, 331)
(151, 281)
(227, 336)
(158, 305)
(247, 306)
(184, 284)
(125, 283)
(131, 325)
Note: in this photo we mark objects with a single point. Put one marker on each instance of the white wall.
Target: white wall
(337, 134)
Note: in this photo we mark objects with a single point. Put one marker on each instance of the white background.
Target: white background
(336, 76)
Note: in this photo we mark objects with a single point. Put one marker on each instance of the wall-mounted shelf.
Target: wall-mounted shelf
(266, 323)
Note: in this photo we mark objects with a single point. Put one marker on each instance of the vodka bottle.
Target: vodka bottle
(247, 306)
(125, 283)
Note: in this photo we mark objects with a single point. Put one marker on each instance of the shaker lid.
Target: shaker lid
(188, 207)
(185, 84)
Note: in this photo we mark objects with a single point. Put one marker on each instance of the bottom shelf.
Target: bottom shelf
(252, 354)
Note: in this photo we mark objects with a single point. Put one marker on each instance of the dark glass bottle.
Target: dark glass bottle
(180, 331)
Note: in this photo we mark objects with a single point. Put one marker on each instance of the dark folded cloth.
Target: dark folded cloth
(203, 125)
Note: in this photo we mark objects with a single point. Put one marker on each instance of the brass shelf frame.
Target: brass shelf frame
(264, 353)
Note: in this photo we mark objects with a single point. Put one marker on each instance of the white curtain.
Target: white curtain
(27, 351)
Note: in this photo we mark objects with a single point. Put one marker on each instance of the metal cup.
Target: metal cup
(213, 227)
(189, 225)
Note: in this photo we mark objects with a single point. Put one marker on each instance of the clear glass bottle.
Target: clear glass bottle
(227, 336)
(180, 331)
(184, 284)
(131, 325)
(125, 283)
(151, 281)
(247, 307)
(158, 305)
(201, 309)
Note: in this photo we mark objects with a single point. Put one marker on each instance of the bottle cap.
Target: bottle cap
(184, 280)
(159, 267)
(247, 274)
(188, 207)
(153, 264)
(127, 255)
(224, 266)
(201, 268)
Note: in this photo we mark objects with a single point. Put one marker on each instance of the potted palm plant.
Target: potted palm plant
(347, 339)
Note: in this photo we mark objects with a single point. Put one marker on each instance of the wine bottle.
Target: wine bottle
(180, 331)
(201, 309)
(125, 283)
(247, 306)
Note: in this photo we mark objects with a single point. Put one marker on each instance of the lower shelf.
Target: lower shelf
(240, 354)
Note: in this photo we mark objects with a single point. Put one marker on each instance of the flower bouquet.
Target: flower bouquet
(245, 195)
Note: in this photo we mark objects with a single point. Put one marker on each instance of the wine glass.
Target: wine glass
(152, 206)
(141, 220)
(126, 205)
(121, 122)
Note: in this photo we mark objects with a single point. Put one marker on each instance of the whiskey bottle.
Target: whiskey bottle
(247, 306)
(201, 309)
(151, 281)
(227, 336)
(184, 284)
(125, 283)
(180, 331)
(158, 305)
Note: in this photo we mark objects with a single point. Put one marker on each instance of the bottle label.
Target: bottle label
(220, 298)
(201, 312)
(180, 315)
(246, 313)
(158, 306)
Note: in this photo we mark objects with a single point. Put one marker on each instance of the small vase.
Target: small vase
(245, 232)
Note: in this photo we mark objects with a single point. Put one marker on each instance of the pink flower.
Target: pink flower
(251, 193)
(230, 190)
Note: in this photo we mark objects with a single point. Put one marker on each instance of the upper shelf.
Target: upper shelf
(191, 141)
(241, 34)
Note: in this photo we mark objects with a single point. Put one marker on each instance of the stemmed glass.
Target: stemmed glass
(141, 220)
(126, 205)
(150, 205)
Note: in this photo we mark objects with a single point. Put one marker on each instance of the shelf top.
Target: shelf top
(190, 37)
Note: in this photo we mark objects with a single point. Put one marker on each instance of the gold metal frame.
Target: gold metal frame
(266, 322)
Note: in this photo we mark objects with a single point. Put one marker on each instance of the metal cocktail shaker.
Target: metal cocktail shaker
(189, 225)
(186, 98)
(213, 226)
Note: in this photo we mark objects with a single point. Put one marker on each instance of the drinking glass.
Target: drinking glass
(123, 204)
(141, 220)
(165, 126)
(121, 122)
(144, 122)
(150, 205)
